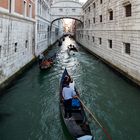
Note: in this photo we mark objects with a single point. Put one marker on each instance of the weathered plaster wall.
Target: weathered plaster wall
(17, 38)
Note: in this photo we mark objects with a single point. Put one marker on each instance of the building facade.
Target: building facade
(25, 32)
(17, 35)
(46, 33)
(42, 25)
(57, 30)
(111, 30)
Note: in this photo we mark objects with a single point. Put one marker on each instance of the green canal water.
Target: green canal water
(29, 110)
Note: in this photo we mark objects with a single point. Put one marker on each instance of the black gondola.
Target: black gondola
(77, 125)
(47, 63)
(72, 48)
(59, 42)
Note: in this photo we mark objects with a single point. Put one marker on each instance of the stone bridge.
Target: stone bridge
(66, 9)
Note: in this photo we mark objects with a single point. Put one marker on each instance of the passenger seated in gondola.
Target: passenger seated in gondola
(50, 60)
(45, 63)
(68, 93)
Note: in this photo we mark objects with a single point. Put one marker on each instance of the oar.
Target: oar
(104, 130)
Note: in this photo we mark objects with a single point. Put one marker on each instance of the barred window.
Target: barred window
(110, 43)
(16, 47)
(89, 22)
(100, 18)
(94, 20)
(127, 48)
(110, 15)
(101, 1)
(26, 43)
(93, 38)
(128, 10)
(73, 10)
(61, 10)
(94, 5)
(0, 51)
(100, 40)
(89, 9)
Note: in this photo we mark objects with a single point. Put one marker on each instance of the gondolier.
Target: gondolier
(68, 93)
(77, 126)
(40, 57)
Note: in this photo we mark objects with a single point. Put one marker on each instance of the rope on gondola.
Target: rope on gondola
(104, 130)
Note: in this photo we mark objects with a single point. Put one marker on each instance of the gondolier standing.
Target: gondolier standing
(40, 57)
(68, 93)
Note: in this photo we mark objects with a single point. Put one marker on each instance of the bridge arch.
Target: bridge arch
(66, 18)
(66, 9)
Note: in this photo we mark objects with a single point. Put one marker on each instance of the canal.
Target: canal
(29, 110)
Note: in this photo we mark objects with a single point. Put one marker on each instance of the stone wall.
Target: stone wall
(115, 40)
(17, 45)
(43, 26)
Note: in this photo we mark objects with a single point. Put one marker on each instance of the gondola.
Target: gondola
(77, 125)
(47, 63)
(72, 48)
(59, 42)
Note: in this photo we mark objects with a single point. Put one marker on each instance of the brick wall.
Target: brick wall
(4, 4)
(19, 7)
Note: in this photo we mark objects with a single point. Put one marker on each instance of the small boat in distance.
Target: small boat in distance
(72, 48)
(77, 125)
(59, 42)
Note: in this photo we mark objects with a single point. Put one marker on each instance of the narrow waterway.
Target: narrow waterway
(29, 110)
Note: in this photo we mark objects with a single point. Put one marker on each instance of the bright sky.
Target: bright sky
(83, 1)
